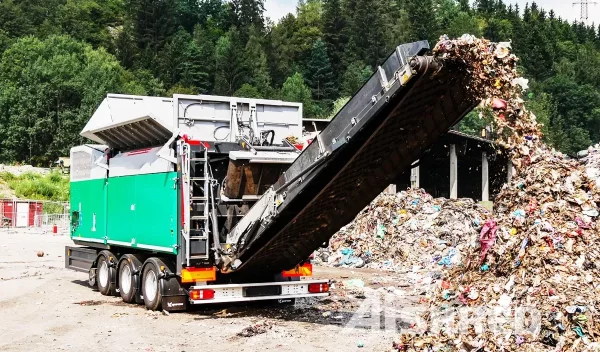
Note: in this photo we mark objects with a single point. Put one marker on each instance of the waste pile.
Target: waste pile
(407, 231)
(535, 268)
(591, 159)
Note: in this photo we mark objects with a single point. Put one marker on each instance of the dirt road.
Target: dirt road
(45, 307)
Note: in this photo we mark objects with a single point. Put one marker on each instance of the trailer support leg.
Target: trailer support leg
(453, 172)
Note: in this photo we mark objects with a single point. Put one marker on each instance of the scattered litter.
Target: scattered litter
(89, 303)
(152, 315)
(255, 329)
(40, 253)
(354, 283)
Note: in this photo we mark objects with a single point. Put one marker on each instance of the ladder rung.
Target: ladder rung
(198, 159)
(198, 179)
(199, 198)
(198, 257)
(199, 217)
(195, 238)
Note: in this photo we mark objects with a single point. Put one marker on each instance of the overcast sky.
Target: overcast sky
(563, 8)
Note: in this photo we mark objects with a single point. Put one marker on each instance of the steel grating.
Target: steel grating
(400, 135)
(142, 133)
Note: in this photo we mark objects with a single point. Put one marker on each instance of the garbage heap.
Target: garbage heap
(532, 280)
(407, 232)
(591, 159)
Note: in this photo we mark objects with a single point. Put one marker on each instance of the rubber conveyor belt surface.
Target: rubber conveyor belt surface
(387, 131)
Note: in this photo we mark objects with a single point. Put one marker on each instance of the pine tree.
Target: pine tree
(182, 63)
(187, 14)
(193, 69)
(126, 48)
(355, 77)
(256, 62)
(334, 33)
(486, 7)
(230, 70)
(366, 41)
(154, 21)
(308, 30)
(245, 13)
(320, 75)
(421, 16)
(282, 53)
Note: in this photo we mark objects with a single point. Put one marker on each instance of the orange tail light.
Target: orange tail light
(190, 275)
(300, 270)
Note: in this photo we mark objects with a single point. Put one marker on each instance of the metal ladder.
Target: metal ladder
(199, 224)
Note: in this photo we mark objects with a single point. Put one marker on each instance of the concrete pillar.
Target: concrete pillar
(453, 172)
(511, 171)
(391, 189)
(485, 178)
(415, 177)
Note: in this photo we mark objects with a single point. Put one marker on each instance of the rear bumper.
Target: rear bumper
(237, 292)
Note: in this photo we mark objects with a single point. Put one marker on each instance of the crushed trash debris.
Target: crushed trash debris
(40, 253)
(255, 329)
(407, 231)
(538, 252)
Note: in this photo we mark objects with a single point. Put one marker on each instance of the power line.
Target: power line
(584, 8)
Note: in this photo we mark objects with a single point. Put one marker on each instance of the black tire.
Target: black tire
(151, 287)
(103, 277)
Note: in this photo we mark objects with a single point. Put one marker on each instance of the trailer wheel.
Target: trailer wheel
(103, 273)
(129, 279)
(126, 282)
(151, 287)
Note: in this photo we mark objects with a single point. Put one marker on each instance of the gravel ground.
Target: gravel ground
(45, 307)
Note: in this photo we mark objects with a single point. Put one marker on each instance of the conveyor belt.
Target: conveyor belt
(386, 135)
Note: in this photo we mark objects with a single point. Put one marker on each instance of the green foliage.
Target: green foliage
(181, 63)
(475, 122)
(246, 13)
(366, 42)
(57, 60)
(355, 77)
(248, 91)
(421, 16)
(334, 25)
(48, 90)
(320, 75)
(256, 62)
(229, 64)
(338, 105)
(295, 90)
(282, 51)
(29, 185)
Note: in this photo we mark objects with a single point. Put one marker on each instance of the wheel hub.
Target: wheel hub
(150, 285)
(126, 280)
(103, 274)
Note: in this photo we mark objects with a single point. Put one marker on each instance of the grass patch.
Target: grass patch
(30, 185)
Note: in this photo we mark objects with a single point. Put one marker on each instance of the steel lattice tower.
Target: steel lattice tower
(584, 8)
